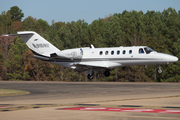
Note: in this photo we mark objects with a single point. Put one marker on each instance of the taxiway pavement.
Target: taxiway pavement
(47, 97)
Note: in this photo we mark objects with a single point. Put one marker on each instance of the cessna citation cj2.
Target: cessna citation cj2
(91, 58)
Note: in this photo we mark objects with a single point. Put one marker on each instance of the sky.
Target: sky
(87, 10)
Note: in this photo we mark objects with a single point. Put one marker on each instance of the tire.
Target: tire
(90, 77)
(107, 73)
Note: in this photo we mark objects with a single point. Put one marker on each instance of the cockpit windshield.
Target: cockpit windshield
(148, 50)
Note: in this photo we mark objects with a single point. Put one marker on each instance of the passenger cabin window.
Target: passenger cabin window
(106, 53)
(141, 51)
(118, 52)
(130, 51)
(100, 53)
(124, 52)
(112, 52)
(148, 50)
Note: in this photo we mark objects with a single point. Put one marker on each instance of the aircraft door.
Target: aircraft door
(78, 53)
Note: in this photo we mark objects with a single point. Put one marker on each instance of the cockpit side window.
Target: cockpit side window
(148, 50)
(141, 51)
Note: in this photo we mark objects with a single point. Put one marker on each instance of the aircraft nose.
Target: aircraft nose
(168, 58)
(173, 59)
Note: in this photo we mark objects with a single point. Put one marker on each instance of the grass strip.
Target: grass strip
(11, 92)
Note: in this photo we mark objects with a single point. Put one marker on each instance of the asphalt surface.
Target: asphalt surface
(50, 96)
(63, 90)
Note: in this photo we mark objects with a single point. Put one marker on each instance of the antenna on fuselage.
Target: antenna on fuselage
(92, 46)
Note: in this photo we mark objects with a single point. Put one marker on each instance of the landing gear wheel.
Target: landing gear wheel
(90, 76)
(107, 73)
(160, 70)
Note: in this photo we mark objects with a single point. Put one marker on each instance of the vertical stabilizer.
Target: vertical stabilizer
(37, 43)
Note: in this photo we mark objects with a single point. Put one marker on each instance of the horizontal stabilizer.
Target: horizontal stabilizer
(19, 34)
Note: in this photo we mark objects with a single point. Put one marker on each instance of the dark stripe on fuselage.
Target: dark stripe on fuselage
(91, 59)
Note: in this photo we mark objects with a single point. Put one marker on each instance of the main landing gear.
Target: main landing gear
(107, 73)
(90, 75)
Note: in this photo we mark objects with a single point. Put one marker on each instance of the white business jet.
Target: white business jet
(91, 58)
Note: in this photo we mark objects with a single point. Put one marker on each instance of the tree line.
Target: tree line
(158, 30)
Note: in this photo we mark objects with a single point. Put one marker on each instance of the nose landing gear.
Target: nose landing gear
(160, 69)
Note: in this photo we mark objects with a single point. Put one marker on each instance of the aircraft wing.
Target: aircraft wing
(80, 68)
(101, 65)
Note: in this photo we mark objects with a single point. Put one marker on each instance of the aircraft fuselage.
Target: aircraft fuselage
(111, 57)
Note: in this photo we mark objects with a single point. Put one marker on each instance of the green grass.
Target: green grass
(11, 92)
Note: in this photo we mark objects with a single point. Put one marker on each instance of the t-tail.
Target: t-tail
(37, 43)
